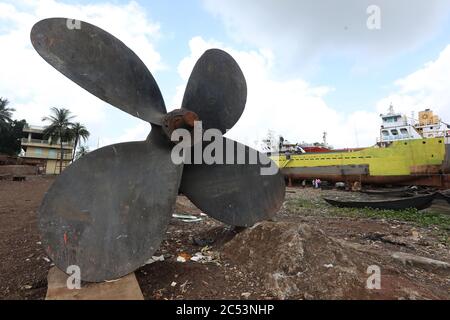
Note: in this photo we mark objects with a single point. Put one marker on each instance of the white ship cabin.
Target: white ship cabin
(399, 127)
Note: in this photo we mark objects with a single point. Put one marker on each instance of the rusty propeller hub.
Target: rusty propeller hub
(179, 119)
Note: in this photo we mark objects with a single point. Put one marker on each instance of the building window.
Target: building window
(404, 131)
(394, 132)
(38, 151)
(52, 154)
(385, 133)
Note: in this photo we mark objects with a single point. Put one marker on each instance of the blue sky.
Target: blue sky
(310, 66)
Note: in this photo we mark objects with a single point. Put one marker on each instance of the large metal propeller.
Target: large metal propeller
(107, 213)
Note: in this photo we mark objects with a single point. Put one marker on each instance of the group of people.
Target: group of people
(316, 183)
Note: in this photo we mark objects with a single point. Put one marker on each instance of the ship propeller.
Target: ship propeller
(108, 212)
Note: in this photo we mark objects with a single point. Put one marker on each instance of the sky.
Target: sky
(311, 66)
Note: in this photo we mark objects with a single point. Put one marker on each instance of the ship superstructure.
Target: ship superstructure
(396, 126)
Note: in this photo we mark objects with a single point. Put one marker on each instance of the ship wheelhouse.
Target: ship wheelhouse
(399, 127)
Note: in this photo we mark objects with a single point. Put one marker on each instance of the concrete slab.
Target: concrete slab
(126, 288)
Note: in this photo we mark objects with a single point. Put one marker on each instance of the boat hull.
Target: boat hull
(417, 202)
(424, 162)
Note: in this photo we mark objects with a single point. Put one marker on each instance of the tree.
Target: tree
(10, 130)
(59, 129)
(79, 132)
(82, 151)
(5, 113)
(10, 135)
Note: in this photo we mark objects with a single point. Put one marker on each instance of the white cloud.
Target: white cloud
(427, 87)
(33, 86)
(291, 107)
(310, 28)
(137, 132)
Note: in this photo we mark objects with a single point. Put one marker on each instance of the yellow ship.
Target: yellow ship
(408, 152)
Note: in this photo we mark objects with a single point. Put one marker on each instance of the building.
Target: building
(40, 152)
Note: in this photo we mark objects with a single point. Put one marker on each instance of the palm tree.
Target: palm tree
(82, 151)
(79, 132)
(5, 112)
(59, 129)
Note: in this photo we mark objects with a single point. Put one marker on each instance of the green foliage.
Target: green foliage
(10, 135)
(59, 127)
(5, 113)
(82, 151)
(79, 133)
(422, 218)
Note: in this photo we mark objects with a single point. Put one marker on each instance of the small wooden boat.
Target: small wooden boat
(398, 192)
(445, 195)
(388, 193)
(418, 202)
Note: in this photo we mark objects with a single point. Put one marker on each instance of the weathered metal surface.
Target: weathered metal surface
(108, 212)
(437, 180)
(178, 119)
(327, 170)
(417, 202)
(236, 194)
(101, 64)
(426, 169)
(216, 91)
(446, 164)
(414, 162)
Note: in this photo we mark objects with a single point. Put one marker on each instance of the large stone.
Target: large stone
(126, 288)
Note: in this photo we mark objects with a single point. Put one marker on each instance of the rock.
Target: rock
(154, 259)
(418, 261)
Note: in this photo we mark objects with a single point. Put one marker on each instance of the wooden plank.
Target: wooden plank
(126, 288)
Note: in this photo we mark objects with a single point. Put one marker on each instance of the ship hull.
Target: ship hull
(416, 162)
(439, 181)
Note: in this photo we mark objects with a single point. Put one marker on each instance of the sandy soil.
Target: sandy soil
(305, 253)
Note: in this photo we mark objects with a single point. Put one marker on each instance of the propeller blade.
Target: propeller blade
(107, 212)
(236, 194)
(216, 90)
(101, 64)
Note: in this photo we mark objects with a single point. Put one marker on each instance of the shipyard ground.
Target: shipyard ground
(310, 251)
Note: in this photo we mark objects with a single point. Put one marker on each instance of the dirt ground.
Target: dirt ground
(309, 251)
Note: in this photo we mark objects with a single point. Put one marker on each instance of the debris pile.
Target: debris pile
(291, 256)
(297, 261)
